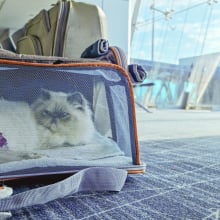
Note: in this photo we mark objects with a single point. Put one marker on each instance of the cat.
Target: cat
(63, 119)
(53, 120)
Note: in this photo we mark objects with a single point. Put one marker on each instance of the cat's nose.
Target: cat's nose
(54, 120)
(53, 127)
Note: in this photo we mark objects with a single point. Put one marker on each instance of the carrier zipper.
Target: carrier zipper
(120, 57)
(61, 29)
(46, 20)
(6, 55)
(36, 44)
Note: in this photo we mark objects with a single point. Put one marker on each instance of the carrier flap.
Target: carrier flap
(90, 179)
(8, 55)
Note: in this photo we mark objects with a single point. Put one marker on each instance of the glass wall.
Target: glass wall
(196, 85)
(178, 44)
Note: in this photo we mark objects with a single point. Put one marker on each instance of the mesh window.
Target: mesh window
(64, 114)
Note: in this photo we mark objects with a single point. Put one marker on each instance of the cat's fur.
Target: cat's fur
(18, 126)
(54, 119)
(63, 119)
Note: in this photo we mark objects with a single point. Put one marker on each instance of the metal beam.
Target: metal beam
(134, 17)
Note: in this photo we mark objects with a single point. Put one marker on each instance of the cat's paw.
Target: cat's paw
(28, 156)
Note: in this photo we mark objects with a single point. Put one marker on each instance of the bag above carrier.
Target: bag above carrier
(64, 30)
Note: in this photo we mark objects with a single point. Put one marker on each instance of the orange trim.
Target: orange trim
(118, 60)
(134, 117)
(61, 176)
(98, 64)
(136, 171)
(138, 162)
(78, 64)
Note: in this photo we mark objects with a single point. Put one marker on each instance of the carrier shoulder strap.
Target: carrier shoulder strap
(113, 54)
(90, 179)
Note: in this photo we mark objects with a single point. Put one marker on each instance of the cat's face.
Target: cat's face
(58, 111)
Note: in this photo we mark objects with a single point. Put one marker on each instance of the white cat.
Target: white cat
(53, 120)
(63, 119)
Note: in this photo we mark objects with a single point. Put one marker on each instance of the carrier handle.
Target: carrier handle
(89, 179)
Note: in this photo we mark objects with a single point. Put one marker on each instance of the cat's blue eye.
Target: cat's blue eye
(45, 113)
(65, 115)
(79, 108)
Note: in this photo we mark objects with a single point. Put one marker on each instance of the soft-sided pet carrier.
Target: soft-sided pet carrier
(60, 116)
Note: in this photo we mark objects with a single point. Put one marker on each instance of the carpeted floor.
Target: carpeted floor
(182, 180)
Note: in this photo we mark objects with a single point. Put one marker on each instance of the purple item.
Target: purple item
(3, 141)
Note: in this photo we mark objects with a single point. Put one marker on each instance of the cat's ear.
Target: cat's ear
(76, 97)
(45, 94)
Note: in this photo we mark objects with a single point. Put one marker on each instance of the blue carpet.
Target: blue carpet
(182, 181)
